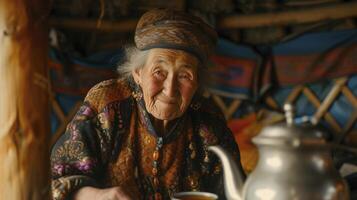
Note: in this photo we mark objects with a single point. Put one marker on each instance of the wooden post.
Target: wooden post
(24, 100)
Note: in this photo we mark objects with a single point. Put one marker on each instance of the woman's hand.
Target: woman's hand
(88, 193)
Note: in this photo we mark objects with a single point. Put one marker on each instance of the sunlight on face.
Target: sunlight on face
(168, 80)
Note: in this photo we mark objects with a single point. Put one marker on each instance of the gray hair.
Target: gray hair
(136, 59)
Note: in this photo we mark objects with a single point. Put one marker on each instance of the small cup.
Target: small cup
(194, 196)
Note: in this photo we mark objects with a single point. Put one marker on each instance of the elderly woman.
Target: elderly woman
(145, 136)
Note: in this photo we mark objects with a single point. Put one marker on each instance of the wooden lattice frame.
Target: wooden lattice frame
(228, 110)
(62, 117)
(322, 107)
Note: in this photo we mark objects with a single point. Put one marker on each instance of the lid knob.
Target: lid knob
(289, 114)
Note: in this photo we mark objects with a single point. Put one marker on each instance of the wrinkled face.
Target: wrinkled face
(168, 80)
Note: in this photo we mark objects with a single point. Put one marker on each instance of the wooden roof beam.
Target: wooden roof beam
(316, 14)
(92, 25)
(331, 12)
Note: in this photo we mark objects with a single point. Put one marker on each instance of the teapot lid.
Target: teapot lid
(290, 134)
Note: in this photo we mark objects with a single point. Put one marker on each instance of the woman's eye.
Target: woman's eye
(184, 76)
(159, 74)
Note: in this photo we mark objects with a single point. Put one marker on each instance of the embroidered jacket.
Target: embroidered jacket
(110, 142)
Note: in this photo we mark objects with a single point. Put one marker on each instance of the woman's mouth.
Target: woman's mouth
(167, 100)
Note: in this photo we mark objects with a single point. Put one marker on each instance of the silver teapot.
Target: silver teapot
(294, 164)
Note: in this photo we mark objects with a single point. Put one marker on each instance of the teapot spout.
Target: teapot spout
(232, 172)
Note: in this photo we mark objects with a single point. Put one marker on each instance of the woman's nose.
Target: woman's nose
(171, 86)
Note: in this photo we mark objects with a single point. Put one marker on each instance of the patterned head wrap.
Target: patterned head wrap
(164, 28)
